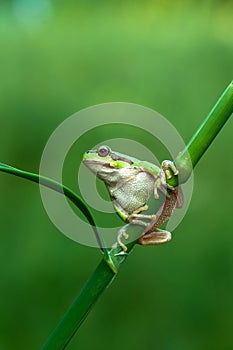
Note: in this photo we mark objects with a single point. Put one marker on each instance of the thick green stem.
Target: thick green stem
(204, 136)
(211, 126)
(77, 312)
(81, 306)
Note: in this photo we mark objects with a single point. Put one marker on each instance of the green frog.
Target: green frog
(131, 182)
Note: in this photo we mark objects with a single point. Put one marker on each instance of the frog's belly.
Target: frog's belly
(134, 194)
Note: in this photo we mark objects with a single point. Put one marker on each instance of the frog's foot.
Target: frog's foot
(122, 233)
(156, 237)
(168, 165)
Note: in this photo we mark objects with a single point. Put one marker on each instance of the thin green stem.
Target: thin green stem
(56, 186)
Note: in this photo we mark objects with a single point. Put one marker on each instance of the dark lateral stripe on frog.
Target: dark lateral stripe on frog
(116, 157)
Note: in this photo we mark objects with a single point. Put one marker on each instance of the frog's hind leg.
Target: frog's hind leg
(155, 237)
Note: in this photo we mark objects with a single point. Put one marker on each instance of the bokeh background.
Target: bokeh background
(57, 57)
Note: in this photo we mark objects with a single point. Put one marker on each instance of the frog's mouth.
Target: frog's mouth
(97, 166)
(96, 162)
(103, 170)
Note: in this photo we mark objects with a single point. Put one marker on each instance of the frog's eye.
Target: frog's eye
(103, 151)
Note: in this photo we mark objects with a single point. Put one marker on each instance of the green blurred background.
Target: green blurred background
(57, 57)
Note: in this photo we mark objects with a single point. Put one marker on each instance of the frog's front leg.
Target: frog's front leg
(132, 219)
(168, 165)
(157, 237)
(160, 182)
(135, 215)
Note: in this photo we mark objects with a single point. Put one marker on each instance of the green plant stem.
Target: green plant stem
(77, 312)
(54, 185)
(102, 276)
(80, 307)
(202, 139)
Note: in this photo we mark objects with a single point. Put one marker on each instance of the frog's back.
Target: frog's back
(149, 167)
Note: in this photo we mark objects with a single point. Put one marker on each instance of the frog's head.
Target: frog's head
(103, 162)
(97, 160)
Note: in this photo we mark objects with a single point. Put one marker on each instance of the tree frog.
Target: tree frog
(131, 182)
